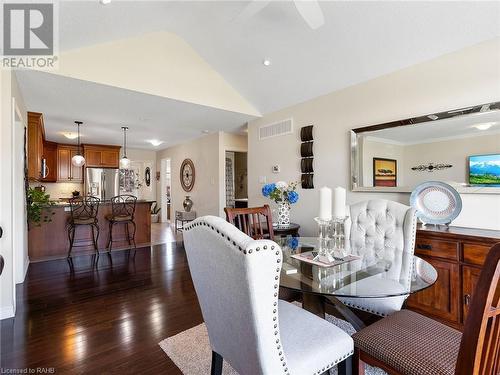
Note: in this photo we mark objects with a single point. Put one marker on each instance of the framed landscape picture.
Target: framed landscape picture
(385, 172)
(484, 170)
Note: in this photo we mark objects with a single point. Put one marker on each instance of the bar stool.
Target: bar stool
(83, 212)
(122, 212)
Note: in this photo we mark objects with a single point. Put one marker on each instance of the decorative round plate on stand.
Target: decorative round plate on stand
(436, 202)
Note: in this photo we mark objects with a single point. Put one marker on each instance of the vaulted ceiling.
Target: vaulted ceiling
(359, 41)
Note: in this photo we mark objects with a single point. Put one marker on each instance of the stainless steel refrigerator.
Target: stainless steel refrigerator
(103, 183)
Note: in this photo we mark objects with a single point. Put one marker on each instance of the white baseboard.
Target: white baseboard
(26, 265)
(25, 271)
(6, 312)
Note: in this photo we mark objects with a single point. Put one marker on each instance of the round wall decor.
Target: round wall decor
(187, 175)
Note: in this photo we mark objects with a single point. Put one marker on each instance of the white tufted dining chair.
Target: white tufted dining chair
(236, 280)
(384, 229)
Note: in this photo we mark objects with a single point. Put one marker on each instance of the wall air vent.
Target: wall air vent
(276, 129)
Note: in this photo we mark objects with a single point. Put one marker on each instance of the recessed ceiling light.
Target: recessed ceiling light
(155, 142)
(205, 131)
(70, 135)
(266, 62)
(484, 125)
(105, 2)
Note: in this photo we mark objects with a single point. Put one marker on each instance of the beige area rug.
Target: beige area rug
(191, 353)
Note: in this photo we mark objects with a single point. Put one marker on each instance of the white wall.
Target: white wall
(204, 152)
(143, 159)
(7, 279)
(208, 154)
(20, 232)
(468, 77)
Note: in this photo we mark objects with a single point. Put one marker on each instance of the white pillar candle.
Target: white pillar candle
(325, 203)
(339, 194)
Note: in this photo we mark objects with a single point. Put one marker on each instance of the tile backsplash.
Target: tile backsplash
(58, 190)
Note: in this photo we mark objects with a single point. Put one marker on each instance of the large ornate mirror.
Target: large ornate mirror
(460, 147)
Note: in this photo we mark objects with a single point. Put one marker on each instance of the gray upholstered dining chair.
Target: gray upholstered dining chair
(384, 229)
(236, 279)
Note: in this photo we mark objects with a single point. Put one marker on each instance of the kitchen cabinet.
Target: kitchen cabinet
(66, 171)
(458, 255)
(101, 156)
(50, 156)
(35, 145)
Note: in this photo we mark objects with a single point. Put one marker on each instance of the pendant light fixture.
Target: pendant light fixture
(124, 161)
(78, 160)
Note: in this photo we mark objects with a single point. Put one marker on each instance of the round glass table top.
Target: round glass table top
(375, 273)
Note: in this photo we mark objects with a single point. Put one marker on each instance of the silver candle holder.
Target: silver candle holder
(325, 248)
(337, 234)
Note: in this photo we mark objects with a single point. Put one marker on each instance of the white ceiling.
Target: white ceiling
(359, 41)
(432, 131)
(105, 109)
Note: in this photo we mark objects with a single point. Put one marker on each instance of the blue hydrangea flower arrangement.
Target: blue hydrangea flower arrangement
(281, 192)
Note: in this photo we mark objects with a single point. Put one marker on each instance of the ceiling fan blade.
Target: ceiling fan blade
(254, 7)
(311, 13)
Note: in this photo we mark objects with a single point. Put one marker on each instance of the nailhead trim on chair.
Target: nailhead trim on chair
(364, 309)
(328, 367)
(278, 269)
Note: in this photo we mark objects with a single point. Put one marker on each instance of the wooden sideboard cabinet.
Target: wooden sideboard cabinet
(66, 171)
(458, 255)
(100, 156)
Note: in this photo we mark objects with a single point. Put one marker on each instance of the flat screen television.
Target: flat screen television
(484, 170)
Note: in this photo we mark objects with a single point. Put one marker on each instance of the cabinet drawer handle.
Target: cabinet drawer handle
(467, 298)
(424, 247)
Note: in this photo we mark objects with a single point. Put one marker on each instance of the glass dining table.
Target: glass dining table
(372, 272)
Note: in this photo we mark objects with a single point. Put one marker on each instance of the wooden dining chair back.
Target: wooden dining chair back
(255, 222)
(480, 346)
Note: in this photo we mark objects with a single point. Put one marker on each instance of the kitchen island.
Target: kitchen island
(50, 239)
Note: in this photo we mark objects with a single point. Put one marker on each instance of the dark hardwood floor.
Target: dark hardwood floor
(101, 321)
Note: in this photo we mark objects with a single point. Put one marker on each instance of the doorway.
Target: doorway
(166, 190)
(236, 179)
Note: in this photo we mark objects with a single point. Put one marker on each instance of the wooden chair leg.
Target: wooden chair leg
(217, 360)
(358, 365)
(345, 367)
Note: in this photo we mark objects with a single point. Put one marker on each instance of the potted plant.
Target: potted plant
(37, 202)
(155, 213)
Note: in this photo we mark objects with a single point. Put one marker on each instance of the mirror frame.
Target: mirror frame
(487, 107)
